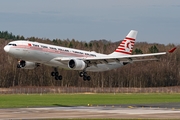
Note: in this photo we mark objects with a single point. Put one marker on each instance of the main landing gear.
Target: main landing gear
(85, 76)
(56, 75)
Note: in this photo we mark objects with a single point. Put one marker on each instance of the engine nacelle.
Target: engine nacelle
(76, 64)
(27, 64)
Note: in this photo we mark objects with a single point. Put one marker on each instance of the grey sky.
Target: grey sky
(84, 20)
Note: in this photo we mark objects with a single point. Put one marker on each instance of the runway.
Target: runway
(117, 111)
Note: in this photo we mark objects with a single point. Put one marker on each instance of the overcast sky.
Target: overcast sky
(157, 21)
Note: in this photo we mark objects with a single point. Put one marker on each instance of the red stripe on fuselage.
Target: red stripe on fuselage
(51, 51)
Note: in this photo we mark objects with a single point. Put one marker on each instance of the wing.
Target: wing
(107, 59)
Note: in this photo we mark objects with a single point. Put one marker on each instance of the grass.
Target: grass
(115, 119)
(44, 100)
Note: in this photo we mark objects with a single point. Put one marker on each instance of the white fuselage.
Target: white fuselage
(46, 54)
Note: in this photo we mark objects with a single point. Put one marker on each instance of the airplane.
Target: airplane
(33, 54)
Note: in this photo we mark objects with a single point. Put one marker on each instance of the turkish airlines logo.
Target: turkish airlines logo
(128, 45)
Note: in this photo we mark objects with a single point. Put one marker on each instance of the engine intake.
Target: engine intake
(76, 64)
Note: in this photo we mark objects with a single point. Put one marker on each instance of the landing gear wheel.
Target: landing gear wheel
(85, 73)
(56, 73)
(56, 77)
(60, 77)
(88, 78)
(84, 78)
(81, 74)
(52, 73)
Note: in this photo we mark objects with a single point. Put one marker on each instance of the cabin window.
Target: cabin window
(12, 44)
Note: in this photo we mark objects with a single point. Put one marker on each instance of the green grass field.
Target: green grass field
(37, 100)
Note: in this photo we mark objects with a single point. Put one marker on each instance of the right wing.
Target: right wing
(107, 59)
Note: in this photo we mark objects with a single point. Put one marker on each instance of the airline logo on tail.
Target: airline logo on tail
(126, 46)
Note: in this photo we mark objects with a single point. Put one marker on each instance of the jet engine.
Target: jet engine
(27, 64)
(76, 64)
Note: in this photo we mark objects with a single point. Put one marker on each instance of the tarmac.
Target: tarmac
(140, 111)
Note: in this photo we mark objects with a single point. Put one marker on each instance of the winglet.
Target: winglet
(172, 50)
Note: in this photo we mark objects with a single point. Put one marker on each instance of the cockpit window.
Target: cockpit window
(12, 44)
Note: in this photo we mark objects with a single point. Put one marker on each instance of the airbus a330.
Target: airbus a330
(33, 54)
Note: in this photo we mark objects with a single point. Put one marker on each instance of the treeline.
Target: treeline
(6, 35)
(139, 74)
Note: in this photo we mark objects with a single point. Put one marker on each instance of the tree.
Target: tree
(85, 44)
(153, 49)
(22, 37)
(70, 45)
(138, 51)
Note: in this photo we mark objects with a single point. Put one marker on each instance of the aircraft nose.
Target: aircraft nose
(6, 48)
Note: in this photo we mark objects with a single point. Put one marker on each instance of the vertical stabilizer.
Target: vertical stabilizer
(126, 46)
